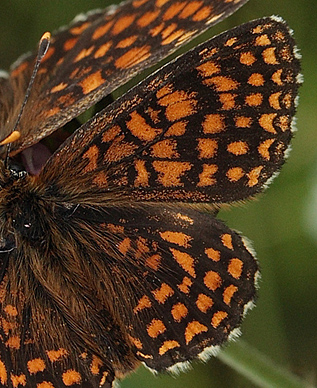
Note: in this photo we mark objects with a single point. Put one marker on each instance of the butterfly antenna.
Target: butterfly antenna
(15, 135)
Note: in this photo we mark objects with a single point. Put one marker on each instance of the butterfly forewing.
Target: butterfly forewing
(213, 126)
(100, 52)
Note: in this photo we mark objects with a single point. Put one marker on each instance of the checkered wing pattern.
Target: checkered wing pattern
(99, 52)
(212, 127)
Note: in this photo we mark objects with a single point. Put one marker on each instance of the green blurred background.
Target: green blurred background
(282, 223)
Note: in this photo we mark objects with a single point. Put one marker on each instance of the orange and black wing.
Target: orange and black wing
(213, 126)
(97, 53)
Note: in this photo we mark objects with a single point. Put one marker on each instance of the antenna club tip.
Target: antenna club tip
(46, 36)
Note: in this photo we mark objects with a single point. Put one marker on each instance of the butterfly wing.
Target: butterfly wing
(213, 126)
(98, 53)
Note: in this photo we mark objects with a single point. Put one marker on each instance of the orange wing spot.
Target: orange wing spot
(124, 246)
(222, 83)
(204, 303)
(119, 150)
(171, 172)
(181, 109)
(284, 123)
(253, 176)
(212, 280)
(217, 318)
(173, 10)
(101, 179)
(247, 58)
(202, 14)
(142, 178)
(91, 82)
(92, 155)
(165, 90)
(79, 29)
(95, 365)
(207, 148)
(228, 293)
(59, 87)
(243, 122)
(136, 342)
(238, 148)
(168, 345)
(276, 77)
(141, 129)
(262, 40)
(147, 18)
(102, 50)
(127, 41)
(256, 79)
(208, 69)
(8, 326)
(226, 240)
(174, 36)
(214, 123)
(185, 218)
(20, 69)
(115, 228)
(3, 373)
(178, 238)
(69, 44)
(177, 129)
(11, 310)
(84, 53)
(155, 328)
(132, 57)
(71, 377)
(165, 149)
(288, 100)
(185, 285)
(13, 342)
(235, 268)
(190, 9)
(163, 293)
(274, 100)
(235, 173)
(194, 328)
(122, 24)
(111, 133)
(266, 122)
(185, 261)
(227, 100)
(264, 147)
(153, 261)
(103, 380)
(36, 365)
(254, 99)
(157, 30)
(144, 303)
(160, 3)
(258, 29)
(139, 3)
(142, 247)
(179, 311)
(102, 30)
(55, 355)
(269, 56)
(230, 42)
(206, 177)
(45, 384)
(212, 254)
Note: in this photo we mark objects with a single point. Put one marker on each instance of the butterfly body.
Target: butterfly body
(111, 253)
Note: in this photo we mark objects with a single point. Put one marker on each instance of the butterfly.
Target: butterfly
(111, 252)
